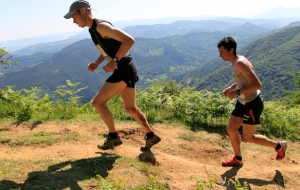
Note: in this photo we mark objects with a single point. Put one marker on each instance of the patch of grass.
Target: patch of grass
(140, 171)
(51, 174)
(37, 138)
(188, 136)
(4, 129)
(90, 118)
(7, 121)
(238, 185)
(141, 166)
(118, 184)
(91, 173)
(185, 146)
(224, 143)
(18, 169)
(205, 184)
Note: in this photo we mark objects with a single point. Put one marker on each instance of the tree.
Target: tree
(4, 61)
(293, 98)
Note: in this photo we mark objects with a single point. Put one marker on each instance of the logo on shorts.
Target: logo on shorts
(234, 73)
(246, 118)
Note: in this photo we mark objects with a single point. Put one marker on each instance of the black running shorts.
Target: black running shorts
(251, 111)
(126, 71)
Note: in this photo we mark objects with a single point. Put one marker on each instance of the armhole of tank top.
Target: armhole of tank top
(102, 20)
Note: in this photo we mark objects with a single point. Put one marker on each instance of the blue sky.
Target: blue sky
(28, 18)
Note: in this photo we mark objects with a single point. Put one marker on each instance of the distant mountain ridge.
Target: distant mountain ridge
(152, 31)
(179, 27)
(45, 47)
(273, 23)
(249, 29)
(13, 45)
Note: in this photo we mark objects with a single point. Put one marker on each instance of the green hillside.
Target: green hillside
(274, 58)
(68, 64)
(156, 59)
(27, 61)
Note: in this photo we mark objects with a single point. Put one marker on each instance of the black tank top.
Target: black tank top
(107, 47)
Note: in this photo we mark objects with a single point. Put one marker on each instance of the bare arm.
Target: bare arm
(94, 66)
(107, 31)
(100, 60)
(226, 90)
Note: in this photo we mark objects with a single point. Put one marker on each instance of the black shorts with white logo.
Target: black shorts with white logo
(126, 71)
(251, 111)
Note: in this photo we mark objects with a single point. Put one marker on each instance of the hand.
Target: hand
(92, 66)
(232, 94)
(226, 90)
(110, 67)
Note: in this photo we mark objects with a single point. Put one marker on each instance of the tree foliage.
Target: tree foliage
(5, 61)
(162, 102)
(293, 98)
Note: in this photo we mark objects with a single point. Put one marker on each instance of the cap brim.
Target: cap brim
(69, 14)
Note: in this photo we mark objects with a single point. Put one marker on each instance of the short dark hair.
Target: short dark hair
(228, 43)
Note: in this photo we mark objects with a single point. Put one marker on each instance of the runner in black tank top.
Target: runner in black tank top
(113, 45)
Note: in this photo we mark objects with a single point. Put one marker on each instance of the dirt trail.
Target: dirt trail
(177, 158)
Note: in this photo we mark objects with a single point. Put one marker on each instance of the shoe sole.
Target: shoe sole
(109, 148)
(233, 165)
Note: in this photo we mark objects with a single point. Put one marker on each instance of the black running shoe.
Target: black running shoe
(110, 143)
(150, 142)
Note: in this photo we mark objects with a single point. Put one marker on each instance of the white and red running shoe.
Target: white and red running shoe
(232, 162)
(281, 152)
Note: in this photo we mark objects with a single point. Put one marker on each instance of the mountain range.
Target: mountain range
(155, 31)
(272, 19)
(45, 47)
(181, 57)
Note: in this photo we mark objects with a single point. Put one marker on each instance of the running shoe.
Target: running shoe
(232, 162)
(150, 142)
(281, 152)
(110, 143)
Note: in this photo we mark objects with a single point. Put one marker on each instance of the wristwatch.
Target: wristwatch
(238, 92)
(115, 59)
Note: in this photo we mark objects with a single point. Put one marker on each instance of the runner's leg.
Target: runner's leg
(107, 92)
(232, 129)
(128, 96)
(248, 135)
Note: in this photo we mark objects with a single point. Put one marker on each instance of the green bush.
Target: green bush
(163, 101)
